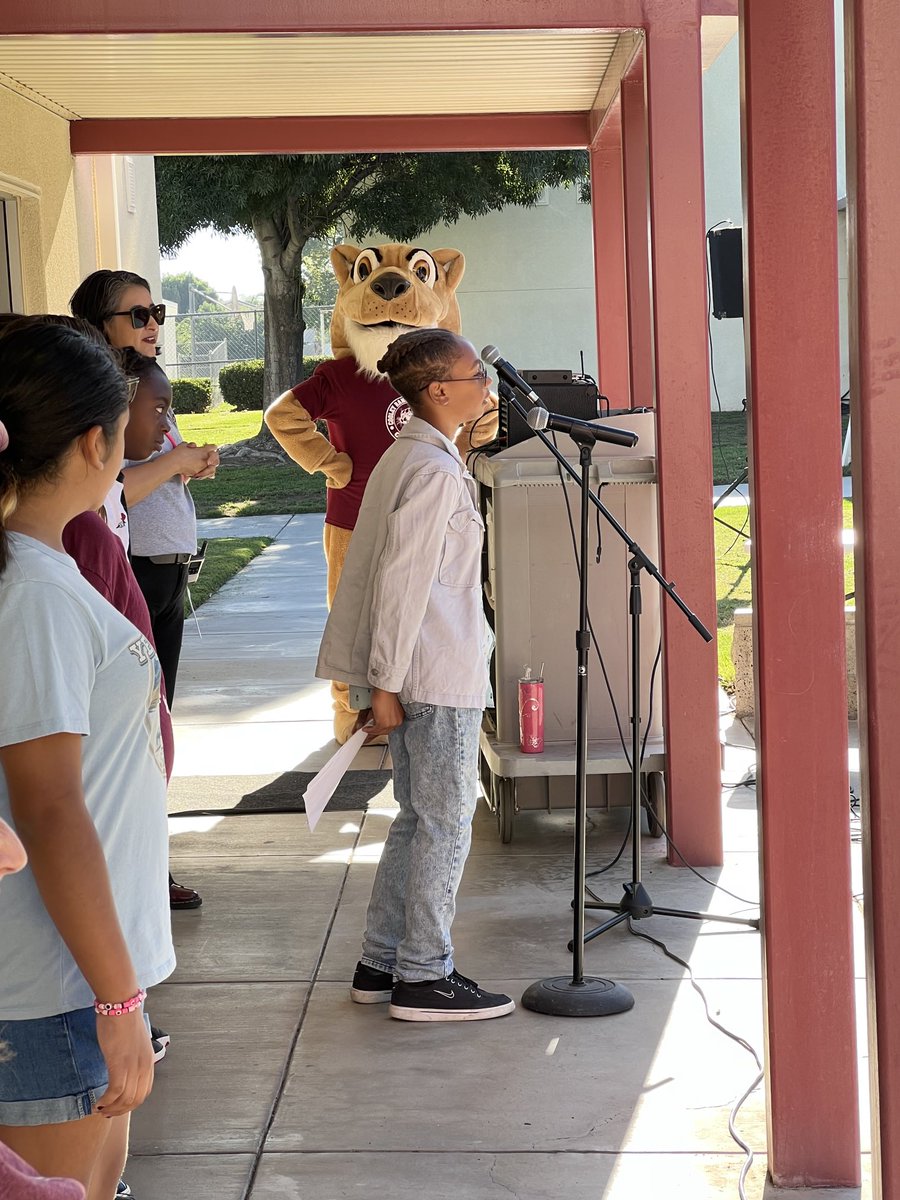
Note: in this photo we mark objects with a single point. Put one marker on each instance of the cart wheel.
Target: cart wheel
(505, 807)
(656, 792)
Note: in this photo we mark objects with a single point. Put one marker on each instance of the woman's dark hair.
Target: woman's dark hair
(56, 383)
(97, 297)
(418, 358)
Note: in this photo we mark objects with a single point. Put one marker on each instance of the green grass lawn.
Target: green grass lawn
(259, 491)
(224, 558)
(729, 445)
(248, 491)
(733, 577)
(222, 426)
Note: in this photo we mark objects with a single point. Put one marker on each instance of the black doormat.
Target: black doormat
(200, 795)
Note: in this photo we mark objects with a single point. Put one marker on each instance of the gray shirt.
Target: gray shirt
(72, 664)
(165, 521)
(407, 616)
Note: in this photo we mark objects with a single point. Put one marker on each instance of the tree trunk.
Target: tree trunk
(284, 333)
(284, 326)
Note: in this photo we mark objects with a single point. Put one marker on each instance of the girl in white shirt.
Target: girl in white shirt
(84, 929)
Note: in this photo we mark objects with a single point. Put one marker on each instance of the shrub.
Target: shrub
(191, 395)
(241, 383)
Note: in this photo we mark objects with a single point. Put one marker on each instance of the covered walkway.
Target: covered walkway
(277, 1087)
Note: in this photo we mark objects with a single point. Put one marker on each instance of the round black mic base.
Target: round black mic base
(559, 996)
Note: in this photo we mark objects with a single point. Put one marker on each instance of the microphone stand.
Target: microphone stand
(581, 996)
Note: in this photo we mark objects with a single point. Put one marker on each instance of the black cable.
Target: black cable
(735, 1037)
(644, 792)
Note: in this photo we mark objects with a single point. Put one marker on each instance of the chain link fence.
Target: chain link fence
(197, 345)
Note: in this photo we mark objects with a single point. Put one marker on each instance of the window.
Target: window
(10, 264)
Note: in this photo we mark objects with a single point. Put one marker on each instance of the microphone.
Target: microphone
(508, 372)
(539, 418)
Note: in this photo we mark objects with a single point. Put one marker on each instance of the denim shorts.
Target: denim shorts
(51, 1069)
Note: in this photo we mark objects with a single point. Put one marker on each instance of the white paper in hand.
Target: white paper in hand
(322, 787)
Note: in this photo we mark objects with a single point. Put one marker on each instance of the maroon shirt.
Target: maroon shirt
(363, 418)
(101, 559)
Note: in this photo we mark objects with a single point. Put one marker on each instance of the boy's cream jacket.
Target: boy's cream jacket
(407, 616)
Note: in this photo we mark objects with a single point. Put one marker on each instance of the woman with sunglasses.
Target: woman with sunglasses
(161, 517)
(162, 525)
(85, 929)
(120, 305)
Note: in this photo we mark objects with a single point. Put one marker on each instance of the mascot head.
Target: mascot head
(388, 290)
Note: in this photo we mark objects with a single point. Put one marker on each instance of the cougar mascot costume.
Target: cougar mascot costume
(384, 291)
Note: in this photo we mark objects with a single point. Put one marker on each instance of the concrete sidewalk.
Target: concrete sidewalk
(276, 1086)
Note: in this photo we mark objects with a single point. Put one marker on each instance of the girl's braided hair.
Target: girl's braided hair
(418, 358)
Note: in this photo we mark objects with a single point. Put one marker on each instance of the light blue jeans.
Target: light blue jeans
(435, 755)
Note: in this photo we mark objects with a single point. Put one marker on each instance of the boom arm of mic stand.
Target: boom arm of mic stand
(646, 563)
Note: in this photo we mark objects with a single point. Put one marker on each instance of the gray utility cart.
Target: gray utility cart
(531, 592)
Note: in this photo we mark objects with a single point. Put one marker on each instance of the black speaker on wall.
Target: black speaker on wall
(726, 269)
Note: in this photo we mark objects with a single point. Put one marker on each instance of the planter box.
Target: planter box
(742, 657)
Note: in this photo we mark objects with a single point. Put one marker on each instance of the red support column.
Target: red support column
(684, 449)
(637, 237)
(872, 30)
(790, 246)
(609, 262)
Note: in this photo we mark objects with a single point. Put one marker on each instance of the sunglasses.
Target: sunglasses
(140, 315)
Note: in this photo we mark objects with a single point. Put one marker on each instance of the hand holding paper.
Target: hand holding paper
(322, 787)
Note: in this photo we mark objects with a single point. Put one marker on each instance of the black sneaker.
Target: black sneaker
(160, 1043)
(123, 1191)
(370, 986)
(452, 999)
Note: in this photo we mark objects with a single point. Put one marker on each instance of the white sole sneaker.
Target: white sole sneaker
(401, 1013)
(361, 996)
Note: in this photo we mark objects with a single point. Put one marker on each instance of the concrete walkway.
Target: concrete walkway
(276, 1086)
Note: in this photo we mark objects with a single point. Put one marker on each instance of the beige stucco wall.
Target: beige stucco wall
(36, 169)
(529, 281)
(115, 196)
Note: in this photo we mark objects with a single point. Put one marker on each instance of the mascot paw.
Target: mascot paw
(339, 471)
(344, 723)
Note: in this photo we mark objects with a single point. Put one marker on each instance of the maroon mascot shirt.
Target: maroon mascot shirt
(363, 417)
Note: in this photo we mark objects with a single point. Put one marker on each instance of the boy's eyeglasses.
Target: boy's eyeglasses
(482, 377)
(140, 315)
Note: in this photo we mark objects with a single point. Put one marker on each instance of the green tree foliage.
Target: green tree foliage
(289, 200)
(186, 289)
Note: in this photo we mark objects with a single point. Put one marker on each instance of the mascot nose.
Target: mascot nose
(389, 286)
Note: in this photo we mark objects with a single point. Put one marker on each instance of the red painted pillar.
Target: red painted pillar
(637, 237)
(674, 116)
(872, 34)
(791, 326)
(609, 262)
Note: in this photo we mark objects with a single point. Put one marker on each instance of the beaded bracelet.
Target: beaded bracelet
(123, 1007)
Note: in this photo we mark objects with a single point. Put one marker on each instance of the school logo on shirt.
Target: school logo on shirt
(398, 413)
(142, 650)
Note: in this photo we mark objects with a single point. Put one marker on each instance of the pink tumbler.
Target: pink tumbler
(531, 714)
